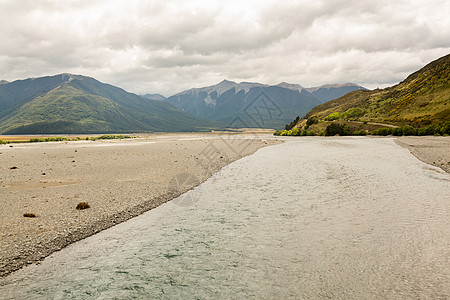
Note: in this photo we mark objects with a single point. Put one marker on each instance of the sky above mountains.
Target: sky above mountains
(169, 46)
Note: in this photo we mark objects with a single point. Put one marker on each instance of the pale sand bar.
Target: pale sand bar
(434, 150)
(119, 180)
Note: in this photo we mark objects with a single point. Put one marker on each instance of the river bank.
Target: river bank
(430, 149)
(118, 179)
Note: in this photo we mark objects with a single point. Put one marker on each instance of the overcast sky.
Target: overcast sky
(169, 46)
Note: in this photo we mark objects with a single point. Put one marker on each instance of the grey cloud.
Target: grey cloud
(167, 46)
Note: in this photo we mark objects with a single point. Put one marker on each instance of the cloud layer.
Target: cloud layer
(168, 46)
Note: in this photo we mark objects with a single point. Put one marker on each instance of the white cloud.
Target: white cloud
(168, 46)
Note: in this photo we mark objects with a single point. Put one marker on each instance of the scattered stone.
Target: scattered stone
(29, 215)
(82, 205)
(13, 168)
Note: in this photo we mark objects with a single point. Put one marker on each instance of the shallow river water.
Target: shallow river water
(313, 218)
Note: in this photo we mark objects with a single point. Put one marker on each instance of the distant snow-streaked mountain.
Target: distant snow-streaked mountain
(254, 104)
(294, 87)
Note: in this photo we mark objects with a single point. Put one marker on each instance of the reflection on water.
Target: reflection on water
(340, 218)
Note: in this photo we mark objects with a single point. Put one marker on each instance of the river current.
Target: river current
(312, 218)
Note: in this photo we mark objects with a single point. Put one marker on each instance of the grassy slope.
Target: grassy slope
(421, 99)
(67, 104)
(85, 105)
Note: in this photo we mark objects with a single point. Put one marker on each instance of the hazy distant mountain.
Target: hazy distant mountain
(69, 103)
(333, 91)
(156, 97)
(423, 98)
(251, 104)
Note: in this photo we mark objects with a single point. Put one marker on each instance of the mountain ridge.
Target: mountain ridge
(68, 103)
(228, 100)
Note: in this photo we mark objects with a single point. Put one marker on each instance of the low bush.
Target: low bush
(382, 131)
(311, 121)
(333, 116)
(359, 132)
(337, 129)
(292, 124)
(409, 130)
(110, 137)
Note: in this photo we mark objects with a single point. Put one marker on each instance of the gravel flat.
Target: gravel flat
(430, 149)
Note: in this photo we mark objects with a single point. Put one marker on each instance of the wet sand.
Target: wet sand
(119, 180)
(432, 150)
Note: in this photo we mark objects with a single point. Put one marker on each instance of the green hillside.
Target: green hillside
(421, 99)
(77, 104)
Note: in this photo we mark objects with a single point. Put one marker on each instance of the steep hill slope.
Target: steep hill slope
(423, 98)
(77, 104)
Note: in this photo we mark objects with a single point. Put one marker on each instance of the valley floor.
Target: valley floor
(119, 179)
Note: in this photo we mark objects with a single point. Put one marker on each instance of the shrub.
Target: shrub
(359, 132)
(29, 215)
(397, 131)
(82, 205)
(335, 128)
(422, 131)
(333, 116)
(295, 131)
(382, 131)
(445, 128)
(409, 130)
(110, 137)
(292, 124)
(354, 113)
(311, 121)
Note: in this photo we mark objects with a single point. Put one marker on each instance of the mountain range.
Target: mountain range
(69, 103)
(249, 104)
(423, 98)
